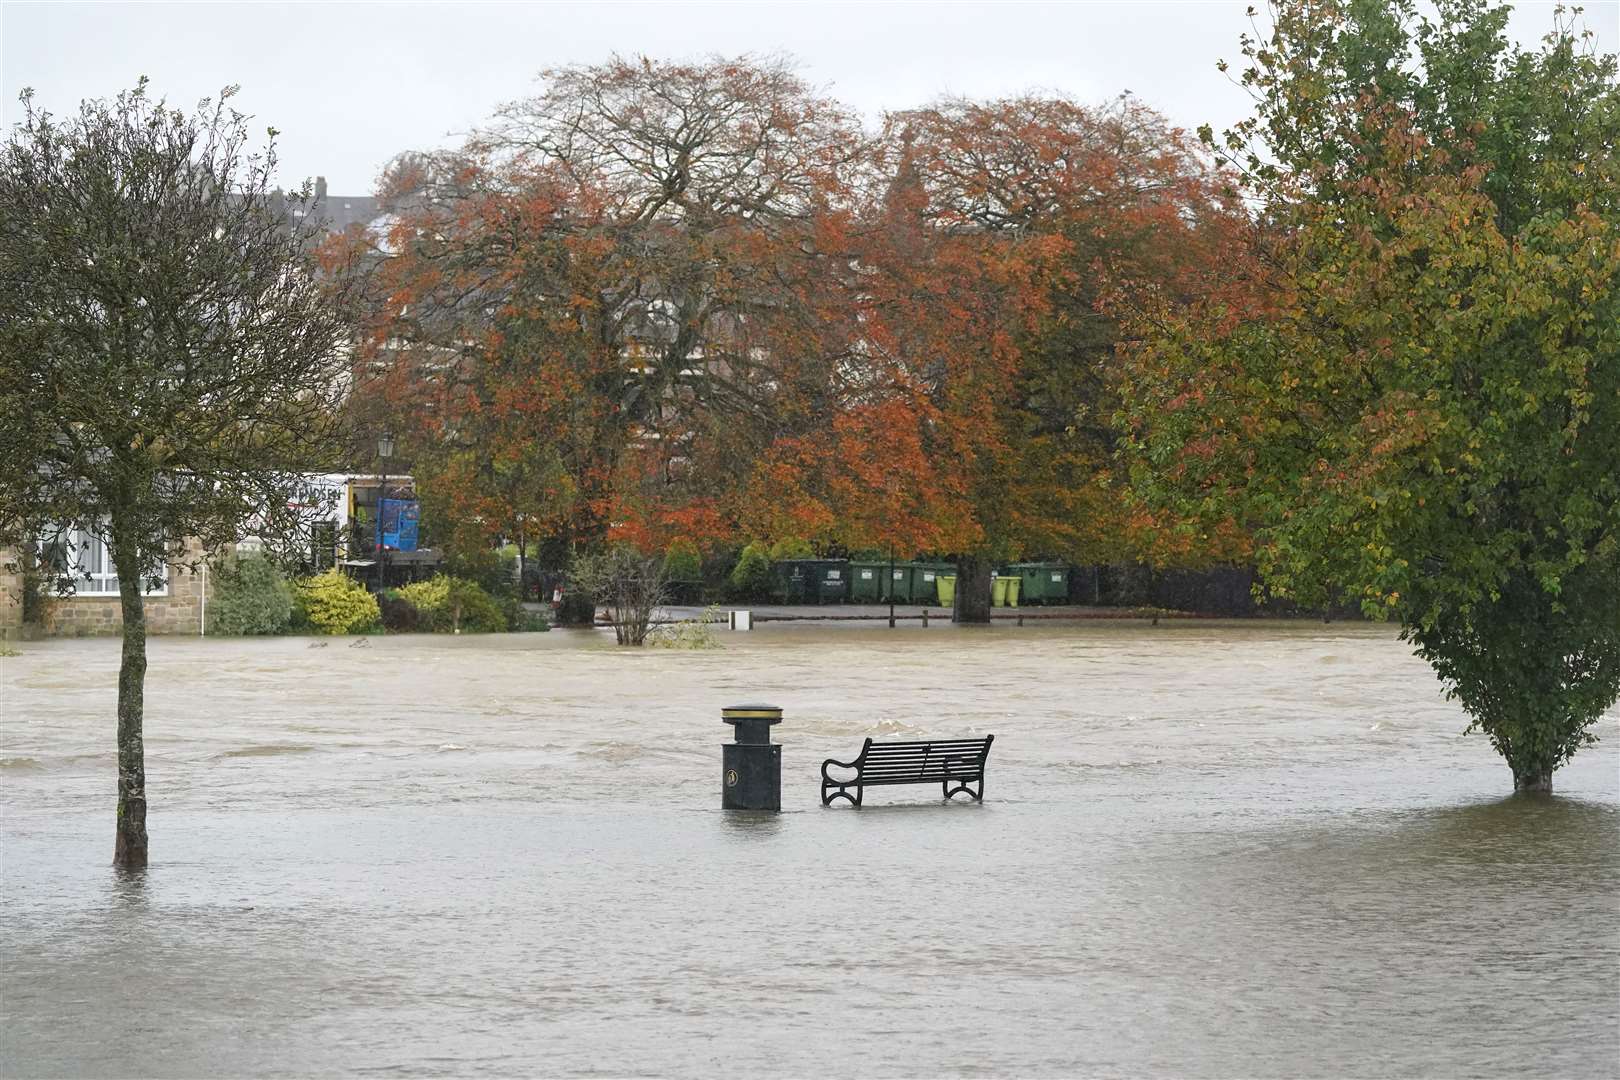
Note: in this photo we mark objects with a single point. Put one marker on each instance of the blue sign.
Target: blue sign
(397, 523)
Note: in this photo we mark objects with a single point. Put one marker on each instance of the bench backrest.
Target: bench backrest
(939, 759)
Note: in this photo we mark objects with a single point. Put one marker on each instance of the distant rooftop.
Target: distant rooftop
(336, 213)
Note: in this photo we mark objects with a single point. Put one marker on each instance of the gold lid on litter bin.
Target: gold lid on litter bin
(750, 712)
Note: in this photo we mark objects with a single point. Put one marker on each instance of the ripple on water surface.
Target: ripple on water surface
(1260, 849)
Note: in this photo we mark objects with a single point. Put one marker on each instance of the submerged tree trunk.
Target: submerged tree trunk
(129, 847)
(973, 573)
(1533, 779)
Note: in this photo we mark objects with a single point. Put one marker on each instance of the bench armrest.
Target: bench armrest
(856, 765)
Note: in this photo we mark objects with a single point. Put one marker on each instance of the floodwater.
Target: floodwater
(1258, 849)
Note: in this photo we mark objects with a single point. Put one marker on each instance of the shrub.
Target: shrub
(493, 571)
(250, 597)
(695, 633)
(399, 615)
(521, 619)
(332, 603)
(447, 604)
(751, 577)
(578, 607)
(791, 547)
(683, 561)
(631, 584)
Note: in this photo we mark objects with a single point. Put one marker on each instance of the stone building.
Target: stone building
(177, 606)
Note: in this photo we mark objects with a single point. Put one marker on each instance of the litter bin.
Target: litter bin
(866, 581)
(751, 765)
(998, 591)
(1014, 587)
(947, 589)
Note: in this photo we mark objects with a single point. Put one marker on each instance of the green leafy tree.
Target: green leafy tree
(170, 361)
(751, 577)
(1417, 404)
(250, 597)
(682, 560)
(791, 547)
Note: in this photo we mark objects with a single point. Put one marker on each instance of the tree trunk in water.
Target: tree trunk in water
(129, 847)
(1533, 778)
(973, 574)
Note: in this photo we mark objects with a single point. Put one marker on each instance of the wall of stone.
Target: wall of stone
(11, 597)
(178, 612)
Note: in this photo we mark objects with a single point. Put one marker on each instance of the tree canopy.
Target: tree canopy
(715, 306)
(1414, 400)
(171, 361)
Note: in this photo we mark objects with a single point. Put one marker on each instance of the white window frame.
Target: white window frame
(90, 563)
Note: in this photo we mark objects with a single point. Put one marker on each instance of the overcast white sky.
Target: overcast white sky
(349, 85)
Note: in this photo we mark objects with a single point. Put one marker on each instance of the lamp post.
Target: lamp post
(385, 450)
(891, 585)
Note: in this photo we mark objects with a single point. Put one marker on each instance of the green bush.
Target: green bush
(250, 597)
(791, 547)
(332, 603)
(493, 571)
(695, 633)
(751, 578)
(446, 604)
(683, 561)
(521, 619)
(399, 615)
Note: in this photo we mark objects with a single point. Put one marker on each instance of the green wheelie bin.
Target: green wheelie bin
(1044, 582)
(790, 581)
(831, 581)
(866, 581)
(897, 583)
(925, 583)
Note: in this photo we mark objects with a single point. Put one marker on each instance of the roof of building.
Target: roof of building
(335, 213)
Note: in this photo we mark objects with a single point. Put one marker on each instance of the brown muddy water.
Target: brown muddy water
(1259, 849)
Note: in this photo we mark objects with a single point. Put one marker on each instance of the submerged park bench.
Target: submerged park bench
(941, 761)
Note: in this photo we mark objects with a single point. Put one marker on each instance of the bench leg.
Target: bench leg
(952, 792)
(842, 792)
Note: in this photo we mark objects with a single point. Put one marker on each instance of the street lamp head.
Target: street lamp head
(385, 445)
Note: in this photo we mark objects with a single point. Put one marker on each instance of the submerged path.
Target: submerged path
(1258, 849)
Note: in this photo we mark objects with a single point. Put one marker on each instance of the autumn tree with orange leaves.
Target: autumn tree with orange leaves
(630, 283)
(662, 300)
(1014, 233)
